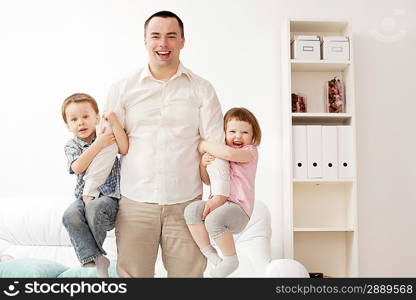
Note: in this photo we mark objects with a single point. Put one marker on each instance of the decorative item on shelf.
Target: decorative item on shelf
(335, 97)
(298, 103)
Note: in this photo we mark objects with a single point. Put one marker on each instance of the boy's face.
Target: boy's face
(81, 120)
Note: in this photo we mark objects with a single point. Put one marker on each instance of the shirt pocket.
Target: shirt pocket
(182, 118)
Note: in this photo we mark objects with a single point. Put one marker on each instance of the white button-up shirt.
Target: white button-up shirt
(165, 121)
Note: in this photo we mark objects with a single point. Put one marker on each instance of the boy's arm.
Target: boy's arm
(84, 160)
(119, 133)
(226, 152)
(102, 164)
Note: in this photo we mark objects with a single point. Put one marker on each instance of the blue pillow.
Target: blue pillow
(30, 267)
(80, 272)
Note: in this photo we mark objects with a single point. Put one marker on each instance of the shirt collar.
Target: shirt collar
(145, 73)
(83, 143)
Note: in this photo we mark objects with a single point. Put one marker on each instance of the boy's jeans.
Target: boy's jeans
(88, 226)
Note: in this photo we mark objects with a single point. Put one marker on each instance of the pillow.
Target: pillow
(30, 267)
(80, 272)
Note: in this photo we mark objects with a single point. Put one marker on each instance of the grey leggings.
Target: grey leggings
(228, 216)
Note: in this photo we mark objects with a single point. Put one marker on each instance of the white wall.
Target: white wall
(51, 49)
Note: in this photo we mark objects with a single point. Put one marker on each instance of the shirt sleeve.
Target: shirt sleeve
(101, 166)
(72, 153)
(211, 129)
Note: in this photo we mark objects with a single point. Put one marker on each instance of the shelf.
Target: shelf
(326, 252)
(321, 229)
(321, 117)
(313, 26)
(323, 181)
(318, 65)
(319, 214)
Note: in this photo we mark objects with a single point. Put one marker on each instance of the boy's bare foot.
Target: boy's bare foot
(90, 264)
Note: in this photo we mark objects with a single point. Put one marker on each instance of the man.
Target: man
(165, 109)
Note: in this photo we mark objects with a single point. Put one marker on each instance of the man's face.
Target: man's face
(163, 42)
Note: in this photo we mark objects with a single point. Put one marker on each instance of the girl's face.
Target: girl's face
(238, 133)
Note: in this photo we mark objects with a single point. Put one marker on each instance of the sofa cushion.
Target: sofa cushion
(80, 272)
(30, 267)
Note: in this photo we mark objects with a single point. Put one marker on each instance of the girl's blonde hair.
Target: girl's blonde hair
(243, 114)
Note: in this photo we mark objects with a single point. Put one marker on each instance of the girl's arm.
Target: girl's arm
(226, 152)
(119, 133)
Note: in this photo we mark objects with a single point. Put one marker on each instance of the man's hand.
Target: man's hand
(213, 203)
(201, 147)
(86, 199)
(105, 139)
(207, 159)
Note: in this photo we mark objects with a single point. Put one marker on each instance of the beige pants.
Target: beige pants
(142, 227)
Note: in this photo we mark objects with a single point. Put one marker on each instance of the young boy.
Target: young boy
(87, 219)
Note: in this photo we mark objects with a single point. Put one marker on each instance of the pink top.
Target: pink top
(242, 176)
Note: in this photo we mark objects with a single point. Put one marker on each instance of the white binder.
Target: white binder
(345, 152)
(299, 149)
(329, 152)
(314, 145)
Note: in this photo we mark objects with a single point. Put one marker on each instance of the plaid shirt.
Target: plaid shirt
(111, 187)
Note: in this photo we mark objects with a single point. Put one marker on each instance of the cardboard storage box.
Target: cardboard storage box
(335, 48)
(306, 47)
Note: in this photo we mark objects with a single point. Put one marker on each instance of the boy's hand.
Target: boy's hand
(86, 199)
(207, 159)
(105, 139)
(213, 203)
(110, 117)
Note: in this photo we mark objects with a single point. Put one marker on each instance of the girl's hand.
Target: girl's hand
(110, 117)
(207, 159)
(212, 204)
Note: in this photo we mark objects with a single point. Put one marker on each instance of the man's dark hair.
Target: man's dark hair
(165, 14)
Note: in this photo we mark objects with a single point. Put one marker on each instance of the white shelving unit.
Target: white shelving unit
(320, 215)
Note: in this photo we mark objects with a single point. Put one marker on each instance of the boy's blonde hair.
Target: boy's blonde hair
(243, 114)
(77, 98)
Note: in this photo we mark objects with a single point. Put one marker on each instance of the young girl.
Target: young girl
(242, 136)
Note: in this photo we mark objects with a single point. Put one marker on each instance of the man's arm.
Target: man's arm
(204, 174)
(211, 129)
(205, 161)
(119, 132)
(102, 164)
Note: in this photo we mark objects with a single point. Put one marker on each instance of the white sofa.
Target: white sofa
(32, 228)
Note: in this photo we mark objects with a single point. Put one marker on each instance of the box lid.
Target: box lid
(335, 38)
(306, 37)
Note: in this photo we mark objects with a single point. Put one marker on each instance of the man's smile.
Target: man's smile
(163, 54)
